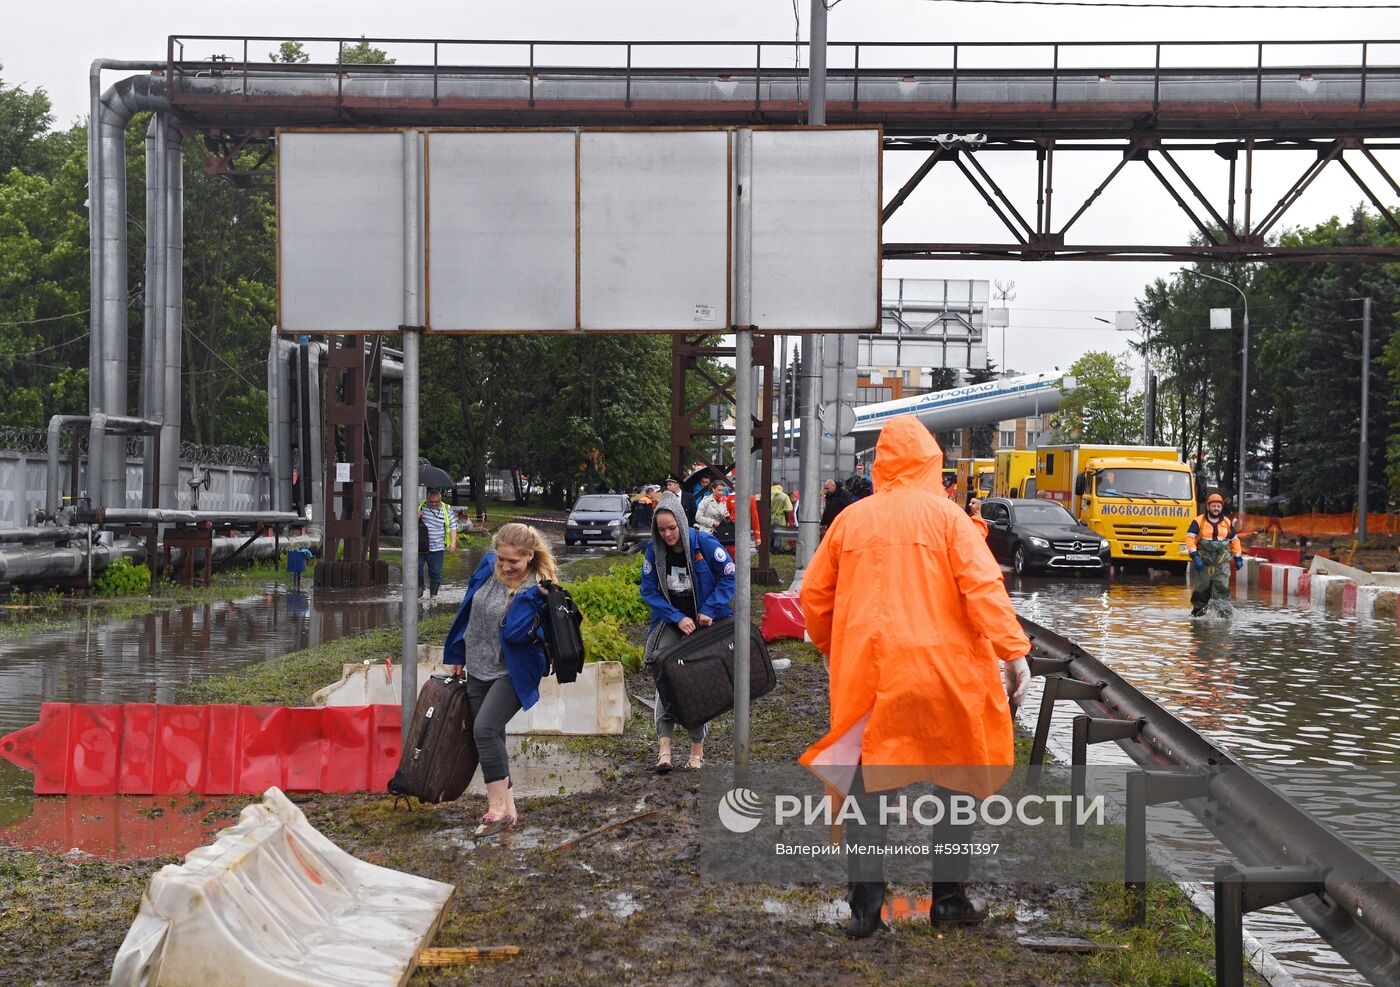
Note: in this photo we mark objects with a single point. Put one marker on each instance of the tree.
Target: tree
(362, 53)
(1100, 408)
(25, 119)
(290, 53)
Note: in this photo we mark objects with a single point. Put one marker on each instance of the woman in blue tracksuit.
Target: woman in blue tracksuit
(494, 642)
(688, 582)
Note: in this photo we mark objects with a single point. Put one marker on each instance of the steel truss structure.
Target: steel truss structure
(1231, 229)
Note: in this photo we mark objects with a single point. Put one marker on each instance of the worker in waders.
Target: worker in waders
(1214, 546)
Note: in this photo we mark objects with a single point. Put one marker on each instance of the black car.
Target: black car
(1037, 535)
(599, 517)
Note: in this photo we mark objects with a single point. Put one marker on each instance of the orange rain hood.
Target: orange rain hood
(905, 599)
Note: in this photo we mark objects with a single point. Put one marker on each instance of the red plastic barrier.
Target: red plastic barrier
(150, 749)
(1283, 556)
(116, 826)
(782, 616)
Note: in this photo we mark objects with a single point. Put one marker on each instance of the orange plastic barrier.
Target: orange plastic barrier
(1321, 524)
(151, 749)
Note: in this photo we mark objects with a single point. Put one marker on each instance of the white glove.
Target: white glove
(1016, 676)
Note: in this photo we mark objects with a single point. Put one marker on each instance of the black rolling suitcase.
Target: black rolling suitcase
(440, 759)
(696, 676)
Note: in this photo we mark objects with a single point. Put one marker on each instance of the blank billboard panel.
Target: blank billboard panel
(340, 205)
(816, 230)
(654, 230)
(501, 226)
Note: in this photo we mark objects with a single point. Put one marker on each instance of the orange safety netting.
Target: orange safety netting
(1319, 524)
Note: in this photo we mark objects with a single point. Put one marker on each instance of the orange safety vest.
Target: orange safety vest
(1221, 530)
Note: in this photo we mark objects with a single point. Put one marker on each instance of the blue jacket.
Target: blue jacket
(712, 577)
(522, 647)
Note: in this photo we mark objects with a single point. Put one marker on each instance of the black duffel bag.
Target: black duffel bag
(695, 676)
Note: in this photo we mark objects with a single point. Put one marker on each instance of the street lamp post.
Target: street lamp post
(1244, 377)
(1149, 406)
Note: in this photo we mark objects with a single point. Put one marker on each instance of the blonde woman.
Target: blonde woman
(494, 643)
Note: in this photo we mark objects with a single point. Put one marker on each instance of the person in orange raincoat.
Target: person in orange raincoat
(974, 512)
(907, 603)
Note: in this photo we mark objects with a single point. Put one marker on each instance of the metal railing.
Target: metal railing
(236, 54)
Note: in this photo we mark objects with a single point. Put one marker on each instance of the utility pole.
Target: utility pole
(1361, 505)
(810, 507)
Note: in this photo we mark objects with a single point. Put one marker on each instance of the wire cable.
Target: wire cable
(1320, 8)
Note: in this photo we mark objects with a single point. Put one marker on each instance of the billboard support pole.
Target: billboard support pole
(743, 442)
(810, 440)
(408, 481)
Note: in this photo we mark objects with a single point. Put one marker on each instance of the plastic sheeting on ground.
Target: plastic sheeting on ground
(782, 616)
(273, 903)
(153, 749)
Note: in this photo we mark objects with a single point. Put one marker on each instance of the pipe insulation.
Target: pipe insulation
(32, 563)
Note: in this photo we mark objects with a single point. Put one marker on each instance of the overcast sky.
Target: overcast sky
(1055, 305)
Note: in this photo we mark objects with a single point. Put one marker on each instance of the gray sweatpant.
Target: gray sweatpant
(493, 703)
(664, 637)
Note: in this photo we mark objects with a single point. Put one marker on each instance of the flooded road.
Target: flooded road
(1276, 686)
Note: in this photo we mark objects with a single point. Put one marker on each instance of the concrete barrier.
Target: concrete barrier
(595, 704)
(274, 903)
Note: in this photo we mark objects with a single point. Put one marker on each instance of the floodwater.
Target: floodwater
(1273, 685)
(151, 659)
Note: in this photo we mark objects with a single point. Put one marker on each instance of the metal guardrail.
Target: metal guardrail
(621, 60)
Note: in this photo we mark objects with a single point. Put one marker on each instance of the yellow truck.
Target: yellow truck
(1141, 498)
(1015, 473)
(974, 479)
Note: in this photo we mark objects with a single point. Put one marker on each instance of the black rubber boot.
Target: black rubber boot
(952, 906)
(865, 899)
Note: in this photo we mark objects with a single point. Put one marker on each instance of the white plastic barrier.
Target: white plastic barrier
(273, 903)
(594, 704)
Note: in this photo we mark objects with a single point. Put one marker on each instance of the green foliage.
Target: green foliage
(290, 53)
(362, 53)
(605, 640)
(1100, 409)
(123, 578)
(615, 596)
(1304, 367)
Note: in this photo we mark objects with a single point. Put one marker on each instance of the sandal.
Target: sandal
(491, 825)
(694, 763)
(663, 763)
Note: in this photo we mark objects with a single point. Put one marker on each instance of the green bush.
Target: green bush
(123, 578)
(616, 594)
(605, 640)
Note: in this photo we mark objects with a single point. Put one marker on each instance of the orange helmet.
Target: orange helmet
(1213, 498)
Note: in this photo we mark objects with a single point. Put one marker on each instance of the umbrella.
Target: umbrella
(713, 472)
(433, 478)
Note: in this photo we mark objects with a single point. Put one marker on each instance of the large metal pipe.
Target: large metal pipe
(131, 515)
(110, 113)
(40, 535)
(32, 563)
(101, 430)
(153, 292)
(1256, 821)
(53, 497)
(172, 326)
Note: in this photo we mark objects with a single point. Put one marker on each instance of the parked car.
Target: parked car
(599, 517)
(1039, 535)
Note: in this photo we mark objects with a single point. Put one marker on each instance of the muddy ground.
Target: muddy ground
(628, 906)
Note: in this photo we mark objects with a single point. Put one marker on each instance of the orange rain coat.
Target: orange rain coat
(907, 602)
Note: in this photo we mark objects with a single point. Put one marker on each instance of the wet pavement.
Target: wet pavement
(1276, 686)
